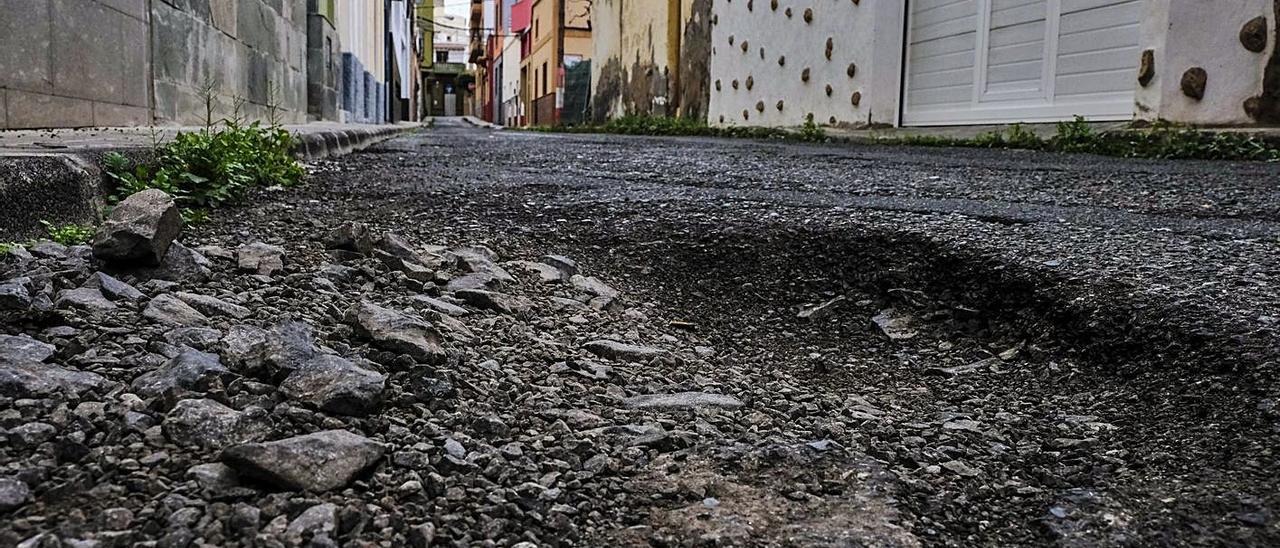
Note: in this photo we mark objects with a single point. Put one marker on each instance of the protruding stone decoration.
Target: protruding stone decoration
(1147, 68)
(730, 39)
(734, 84)
(717, 85)
(856, 99)
(1253, 36)
(779, 105)
(1193, 82)
(745, 114)
(808, 15)
(762, 53)
(745, 45)
(830, 90)
(751, 5)
(759, 106)
(831, 120)
(830, 47)
(773, 5)
(852, 70)
(788, 12)
(782, 60)
(751, 82)
(1253, 107)
(804, 75)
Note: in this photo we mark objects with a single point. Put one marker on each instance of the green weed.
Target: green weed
(71, 234)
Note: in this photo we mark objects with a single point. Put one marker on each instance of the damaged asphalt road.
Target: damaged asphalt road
(766, 344)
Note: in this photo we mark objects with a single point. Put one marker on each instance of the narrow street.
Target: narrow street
(839, 345)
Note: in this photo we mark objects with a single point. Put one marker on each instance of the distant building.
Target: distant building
(555, 44)
(100, 62)
(445, 75)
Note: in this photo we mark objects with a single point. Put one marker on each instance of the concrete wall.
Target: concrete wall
(762, 51)
(74, 63)
(650, 57)
(1183, 36)
(254, 50)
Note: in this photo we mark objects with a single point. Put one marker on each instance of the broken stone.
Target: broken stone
(682, 400)
(213, 306)
(170, 310)
(14, 295)
(208, 424)
(317, 462)
(567, 267)
(23, 349)
(437, 305)
(1194, 81)
(35, 379)
(87, 299)
(491, 300)
(818, 311)
(245, 347)
(1147, 68)
(139, 229)
(894, 324)
(318, 520)
(412, 269)
(13, 493)
(199, 338)
(542, 272)
(336, 385)
(480, 280)
(113, 288)
(181, 264)
(615, 350)
(260, 258)
(396, 331)
(191, 370)
(593, 286)
(350, 236)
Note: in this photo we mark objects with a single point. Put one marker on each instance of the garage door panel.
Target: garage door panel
(1024, 70)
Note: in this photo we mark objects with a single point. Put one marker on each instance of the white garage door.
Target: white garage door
(994, 61)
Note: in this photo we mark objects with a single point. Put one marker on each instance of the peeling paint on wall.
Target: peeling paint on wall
(652, 58)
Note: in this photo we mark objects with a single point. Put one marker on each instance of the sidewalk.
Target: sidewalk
(53, 175)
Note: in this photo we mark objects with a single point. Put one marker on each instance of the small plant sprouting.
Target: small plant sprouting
(70, 234)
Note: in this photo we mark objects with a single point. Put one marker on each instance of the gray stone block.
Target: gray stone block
(135, 63)
(88, 50)
(173, 43)
(25, 34)
(39, 110)
(110, 115)
(224, 16)
(4, 109)
(136, 9)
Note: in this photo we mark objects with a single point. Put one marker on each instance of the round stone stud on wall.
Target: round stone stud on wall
(745, 46)
(1147, 68)
(773, 5)
(734, 84)
(1194, 81)
(762, 53)
(751, 4)
(746, 115)
(782, 60)
(856, 99)
(830, 46)
(808, 15)
(759, 106)
(751, 82)
(852, 70)
(779, 105)
(717, 84)
(804, 75)
(730, 39)
(829, 90)
(1253, 36)
(788, 12)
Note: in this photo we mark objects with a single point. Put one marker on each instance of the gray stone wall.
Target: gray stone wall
(252, 50)
(74, 63)
(324, 68)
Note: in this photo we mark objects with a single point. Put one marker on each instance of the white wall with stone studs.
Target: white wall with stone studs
(750, 87)
(1207, 35)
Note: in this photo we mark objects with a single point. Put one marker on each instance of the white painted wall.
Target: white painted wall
(867, 34)
(1185, 34)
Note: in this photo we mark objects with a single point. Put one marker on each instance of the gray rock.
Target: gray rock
(615, 350)
(501, 302)
(290, 346)
(682, 400)
(87, 299)
(321, 519)
(48, 249)
(317, 462)
(260, 258)
(208, 424)
(396, 331)
(593, 286)
(437, 305)
(422, 536)
(245, 347)
(480, 280)
(23, 349)
(113, 288)
(544, 273)
(213, 306)
(895, 325)
(14, 296)
(170, 310)
(13, 493)
(412, 269)
(35, 379)
(820, 310)
(32, 434)
(214, 477)
(139, 229)
(396, 246)
(336, 385)
(567, 267)
(350, 236)
(180, 264)
(199, 338)
(191, 370)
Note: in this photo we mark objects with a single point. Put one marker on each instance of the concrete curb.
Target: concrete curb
(480, 123)
(66, 186)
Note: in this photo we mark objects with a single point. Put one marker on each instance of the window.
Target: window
(544, 78)
(536, 27)
(442, 57)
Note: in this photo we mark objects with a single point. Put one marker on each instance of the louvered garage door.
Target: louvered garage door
(996, 61)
